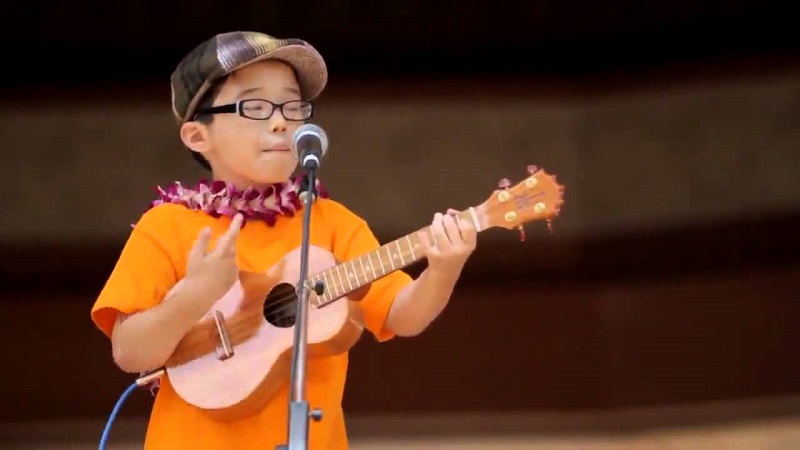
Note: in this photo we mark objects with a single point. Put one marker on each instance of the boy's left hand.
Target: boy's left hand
(453, 242)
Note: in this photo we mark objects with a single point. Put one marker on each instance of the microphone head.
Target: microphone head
(306, 134)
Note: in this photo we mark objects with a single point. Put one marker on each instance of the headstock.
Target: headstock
(537, 197)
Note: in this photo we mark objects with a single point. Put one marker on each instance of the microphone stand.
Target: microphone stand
(299, 409)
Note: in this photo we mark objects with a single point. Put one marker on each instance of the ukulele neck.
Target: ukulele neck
(352, 275)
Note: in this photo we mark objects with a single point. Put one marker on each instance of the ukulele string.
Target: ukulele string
(290, 300)
(283, 304)
(287, 301)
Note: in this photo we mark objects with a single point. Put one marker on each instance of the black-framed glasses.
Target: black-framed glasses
(260, 109)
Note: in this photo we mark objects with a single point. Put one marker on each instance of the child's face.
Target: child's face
(246, 151)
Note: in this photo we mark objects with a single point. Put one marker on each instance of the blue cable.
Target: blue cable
(114, 413)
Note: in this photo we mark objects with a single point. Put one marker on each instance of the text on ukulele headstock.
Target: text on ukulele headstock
(538, 197)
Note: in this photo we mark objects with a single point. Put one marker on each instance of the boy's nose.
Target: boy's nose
(278, 126)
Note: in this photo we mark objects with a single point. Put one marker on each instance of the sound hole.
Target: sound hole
(280, 306)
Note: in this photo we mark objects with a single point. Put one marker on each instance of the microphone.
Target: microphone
(309, 144)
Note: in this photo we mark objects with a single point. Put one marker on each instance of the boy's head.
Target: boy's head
(227, 95)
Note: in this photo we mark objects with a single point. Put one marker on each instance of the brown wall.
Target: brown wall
(660, 156)
(672, 275)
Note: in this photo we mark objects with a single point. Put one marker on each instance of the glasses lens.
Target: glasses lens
(297, 110)
(257, 109)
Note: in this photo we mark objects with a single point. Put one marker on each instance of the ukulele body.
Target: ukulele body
(258, 318)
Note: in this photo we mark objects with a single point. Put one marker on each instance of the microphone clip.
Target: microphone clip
(305, 190)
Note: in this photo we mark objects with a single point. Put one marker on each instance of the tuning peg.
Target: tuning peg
(532, 169)
(521, 233)
(504, 183)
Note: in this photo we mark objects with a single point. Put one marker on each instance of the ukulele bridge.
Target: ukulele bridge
(224, 351)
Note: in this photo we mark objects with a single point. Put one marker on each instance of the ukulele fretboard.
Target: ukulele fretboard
(347, 277)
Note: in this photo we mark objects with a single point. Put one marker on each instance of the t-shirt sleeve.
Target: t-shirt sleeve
(357, 239)
(145, 271)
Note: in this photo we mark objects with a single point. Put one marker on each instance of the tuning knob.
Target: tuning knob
(504, 183)
(521, 234)
(532, 169)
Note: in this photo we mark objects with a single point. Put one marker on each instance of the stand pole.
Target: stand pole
(299, 409)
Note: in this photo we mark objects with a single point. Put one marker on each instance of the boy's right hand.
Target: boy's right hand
(216, 270)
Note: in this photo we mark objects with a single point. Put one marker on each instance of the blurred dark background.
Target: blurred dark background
(671, 277)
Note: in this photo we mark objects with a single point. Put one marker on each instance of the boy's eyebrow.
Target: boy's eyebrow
(244, 92)
(290, 89)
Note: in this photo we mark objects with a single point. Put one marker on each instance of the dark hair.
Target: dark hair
(206, 101)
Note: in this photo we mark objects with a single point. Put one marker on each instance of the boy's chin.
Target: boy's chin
(272, 178)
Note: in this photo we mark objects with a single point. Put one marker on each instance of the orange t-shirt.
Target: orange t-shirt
(154, 259)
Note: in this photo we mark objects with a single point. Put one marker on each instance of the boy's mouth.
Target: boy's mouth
(276, 149)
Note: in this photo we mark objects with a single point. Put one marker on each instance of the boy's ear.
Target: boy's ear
(195, 136)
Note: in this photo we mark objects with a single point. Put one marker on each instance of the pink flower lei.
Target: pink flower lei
(219, 198)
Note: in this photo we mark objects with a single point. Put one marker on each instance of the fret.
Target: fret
(340, 277)
(380, 261)
(357, 272)
(330, 291)
(371, 266)
(411, 247)
(349, 274)
(400, 253)
(353, 273)
(345, 278)
(363, 270)
(324, 278)
(338, 269)
(389, 255)
(337, 291)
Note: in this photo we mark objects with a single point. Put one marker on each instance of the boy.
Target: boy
(238, 97)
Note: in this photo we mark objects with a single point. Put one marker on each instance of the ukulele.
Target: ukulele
(239, 355)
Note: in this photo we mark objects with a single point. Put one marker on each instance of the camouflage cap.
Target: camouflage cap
(227, 52)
